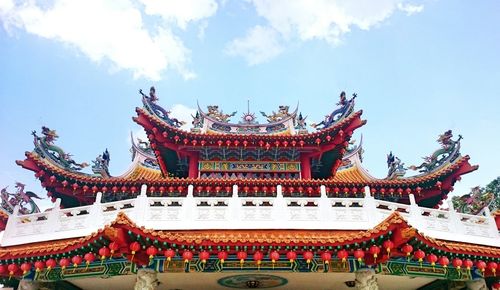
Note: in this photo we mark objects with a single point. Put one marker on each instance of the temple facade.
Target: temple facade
(241, 204)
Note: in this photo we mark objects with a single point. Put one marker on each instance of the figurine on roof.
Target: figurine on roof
(448, 152)
(150, 102)
(101, 164)
(346, 107)
(473, 202)
(44, 146)
(396, 167)
(214, 112)
(277, 116)
(21, 198)
(300, 122)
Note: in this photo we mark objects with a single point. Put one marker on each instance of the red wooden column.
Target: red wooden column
(193, 165)
(305, 166)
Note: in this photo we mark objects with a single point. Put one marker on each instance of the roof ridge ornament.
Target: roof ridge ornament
(346, 108)
(395, 166)
(44, 146)
(448, 152)
(22, 198)
(150, 103)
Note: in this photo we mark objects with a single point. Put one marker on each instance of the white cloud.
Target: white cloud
(113, 31)
(259, 45)
(181, 12)
(326, 20)
(410, 9)
(183, 113)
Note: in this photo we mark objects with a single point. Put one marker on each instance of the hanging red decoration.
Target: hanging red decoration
(151, 251)
(64, 262)
(432, 259)
(76, 260)
(104, 252)
(204, 256)
(187, 256)
(89, 258)
(444, 261)
(274, 256)
(375, 250)
(468, 264)
(481, 265)
(388, 246)
(326, 257)
(257, 257)
(291, 256)
(492, 266)
(222, 257)
(39, 266)
(457, 263)
(25, 267)
(113, 246)
(241, 256)
(419, 255)
(12, 269)
(134, 248)
(407, 249)
(169, 254)
(359, 255)
(342, 255)
(51, 263)
(3, 269)
(308, 256)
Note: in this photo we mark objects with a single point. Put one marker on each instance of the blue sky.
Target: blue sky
(419, 68)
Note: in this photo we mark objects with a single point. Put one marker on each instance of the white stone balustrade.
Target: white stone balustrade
(198, 213)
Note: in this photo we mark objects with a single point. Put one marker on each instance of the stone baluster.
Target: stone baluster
(189, 208)
(147, 279)
(492, 226)
(456, 225)
(478, 284)
(370, 208)
(366, 280)
(53, 219)
(325, 205)
(234, 206)
(280, 208)
(95, 216)
(415, 218)
(141, 206)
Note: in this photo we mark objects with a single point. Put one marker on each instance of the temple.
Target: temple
(246, 204)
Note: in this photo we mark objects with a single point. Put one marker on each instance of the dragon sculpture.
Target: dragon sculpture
(22, 198)
(150, 102)
(44, 146)
(346, 107)
(395, 166)
(448, 152)
(277, 116)
(101, 164)
(214, 112)
(473, 202)
(300, 122)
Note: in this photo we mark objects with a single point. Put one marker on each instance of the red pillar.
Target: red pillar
(193, 165)
(305, 166)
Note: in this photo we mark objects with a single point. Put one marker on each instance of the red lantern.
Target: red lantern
(493, 268)
(52, 179)
(89, 258)
(432, 259)
(3, 269)
(39, 265)
(342, 255)
(481, 265)
(375, 250)
(308, 256)
(444, 261)
(291, 256)
(76, 260)
(457, 263)
(151, 251)
(104, 253)
(222, 256)
(113, 246)
(187, 256)
(12, 269)
(275, 256)
(25, 267)
(359, 255)
(241, 256)
(169, 254)
(204, 256)
(51, 263)
(257, 257)
(326, 257)
(419, 255)
(64, 262)
(134, 248)
(388, 246)
(468, 264)
(407, 249)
